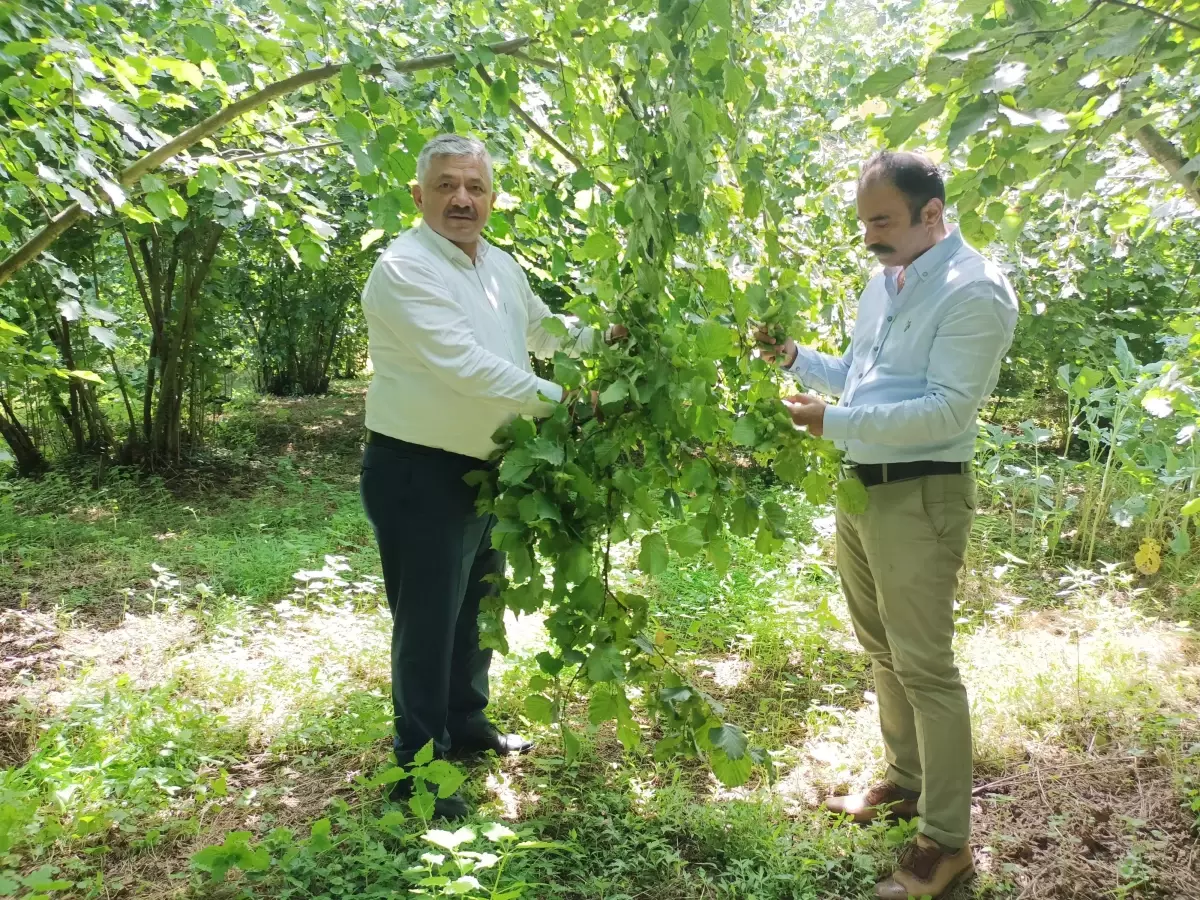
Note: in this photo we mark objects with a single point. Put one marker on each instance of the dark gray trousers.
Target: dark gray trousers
(436, 551)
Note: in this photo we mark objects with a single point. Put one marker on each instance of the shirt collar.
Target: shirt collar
(449, 250)
(928, 262)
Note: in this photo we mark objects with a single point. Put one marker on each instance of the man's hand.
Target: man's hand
(772, 350)
(572, 398)
(616, 333)
(807, 412)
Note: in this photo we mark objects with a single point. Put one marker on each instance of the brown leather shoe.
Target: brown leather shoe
(926, 870)
(882, 800)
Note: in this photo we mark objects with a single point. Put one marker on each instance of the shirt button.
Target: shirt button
(876, 349)
(889, 318)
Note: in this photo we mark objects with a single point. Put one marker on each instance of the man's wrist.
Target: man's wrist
(787, 363)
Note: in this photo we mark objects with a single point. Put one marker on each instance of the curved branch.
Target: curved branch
(155, 158)
(542, 132)
(1154, 13)
(1168, 156)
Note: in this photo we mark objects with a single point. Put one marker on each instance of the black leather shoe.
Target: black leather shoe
(452, 807)
(495, 741)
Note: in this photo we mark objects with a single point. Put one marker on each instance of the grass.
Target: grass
(220, 742)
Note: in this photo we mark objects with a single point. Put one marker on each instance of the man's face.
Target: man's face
(456, 197)
(889, 231)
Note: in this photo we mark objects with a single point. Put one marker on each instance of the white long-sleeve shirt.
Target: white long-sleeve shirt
(922, 361)
(450, 341)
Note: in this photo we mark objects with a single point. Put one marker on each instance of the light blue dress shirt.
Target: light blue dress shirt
(922, 362)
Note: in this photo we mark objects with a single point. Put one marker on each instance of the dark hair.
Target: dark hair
(913, 175)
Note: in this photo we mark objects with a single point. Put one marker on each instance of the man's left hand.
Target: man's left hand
(808, 412)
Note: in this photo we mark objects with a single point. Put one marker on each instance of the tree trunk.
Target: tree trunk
(196, 246)
(27, 456)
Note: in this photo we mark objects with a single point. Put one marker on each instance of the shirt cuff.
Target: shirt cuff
(550, 390)
(837, 424)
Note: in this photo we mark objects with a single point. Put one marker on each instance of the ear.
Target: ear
(417, 196)
(932, 213)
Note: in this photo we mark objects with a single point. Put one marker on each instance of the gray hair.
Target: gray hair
(452, 145)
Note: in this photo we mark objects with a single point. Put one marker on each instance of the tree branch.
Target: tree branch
(1169, 157)
(155, 158)
(247, 157)
(542, 132)
(1155, 13)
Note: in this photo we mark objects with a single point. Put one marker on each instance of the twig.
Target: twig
(1046, 31)
(541, 132)
(1037, 770)
(252, 156)
(1069, 767)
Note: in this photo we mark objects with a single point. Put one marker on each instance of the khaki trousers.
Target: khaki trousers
(899, 563)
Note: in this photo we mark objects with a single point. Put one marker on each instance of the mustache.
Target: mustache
(461, 212)
(880, 248)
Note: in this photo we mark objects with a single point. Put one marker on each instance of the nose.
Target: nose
(461, 197)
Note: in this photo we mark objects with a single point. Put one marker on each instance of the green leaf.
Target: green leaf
(887, 81)
(570, 744)
(516, 468)
(714, 340)
(852, 496)
(602, 706)
(390, 775)
(499, 96)
(653, 557)
(600, 246)
(719, 554)
(686, 540)
(424, 755)
(351, 87)
(970, 118)
(318, 839)
(546, 450)
(791, 464)
(730, 758)
(537, 507)
(1181, 542)
(745, 517)
(370, 237)
(445, 775)
(1191, 508)
(901, 127)
(744, 432)
(615, 393)
(423, 804)
(159, 204)
(605, 663)
(539, 708)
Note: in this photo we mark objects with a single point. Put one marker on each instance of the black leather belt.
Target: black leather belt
(872, 474)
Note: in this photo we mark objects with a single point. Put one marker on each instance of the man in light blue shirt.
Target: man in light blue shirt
(932, 330)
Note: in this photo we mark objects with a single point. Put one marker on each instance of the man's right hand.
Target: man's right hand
(572, 398)
(773, 351)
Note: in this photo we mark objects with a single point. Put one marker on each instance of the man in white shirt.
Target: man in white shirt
(451, 321)
(931, 332)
